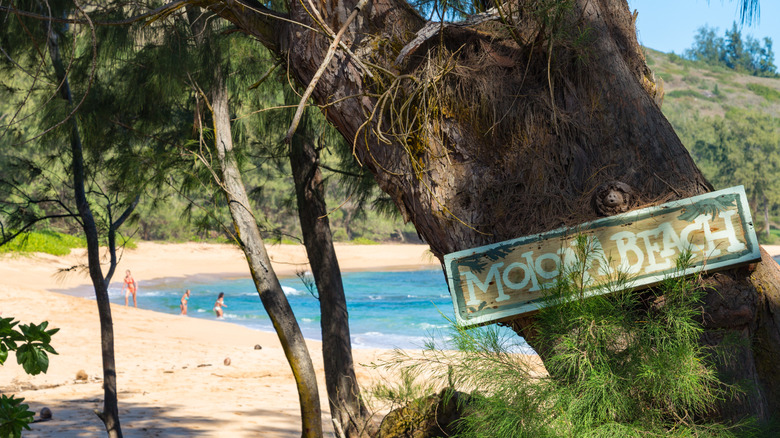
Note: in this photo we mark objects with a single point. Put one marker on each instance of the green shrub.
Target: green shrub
(49, 242)
(127, 242)
(617, 366)
(684, 93)
(363, 241)
(768, 93)
(339, 235)
(772, 239)
(31, 343)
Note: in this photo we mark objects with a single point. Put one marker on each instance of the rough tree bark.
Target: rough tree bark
(347, 410)
(267, 284)
(110, 413)
(497, 128)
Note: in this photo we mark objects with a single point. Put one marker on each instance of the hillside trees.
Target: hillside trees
(746, 55)
(504, 124)
(743, 147)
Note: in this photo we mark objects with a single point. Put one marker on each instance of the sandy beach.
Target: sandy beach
(172, 381)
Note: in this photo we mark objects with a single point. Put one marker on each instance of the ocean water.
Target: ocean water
(386, 309)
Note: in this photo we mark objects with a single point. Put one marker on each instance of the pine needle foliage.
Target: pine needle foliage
(627, 363)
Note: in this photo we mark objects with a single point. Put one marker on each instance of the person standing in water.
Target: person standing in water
(131, 286)
(219, 304)
(184, 299)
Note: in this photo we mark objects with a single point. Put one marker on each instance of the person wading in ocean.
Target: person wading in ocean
(219, 304)
(131, 286)
(184, 299)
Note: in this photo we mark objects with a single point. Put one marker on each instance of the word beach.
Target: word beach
(495, 282)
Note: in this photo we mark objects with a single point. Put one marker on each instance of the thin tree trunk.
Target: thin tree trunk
(767, 229)
(266, 282)
(501, 130)
(346, 407)
(110, 413)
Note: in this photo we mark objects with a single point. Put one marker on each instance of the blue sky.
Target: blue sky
(670, 25)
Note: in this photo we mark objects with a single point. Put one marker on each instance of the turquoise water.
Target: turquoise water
(386, 309)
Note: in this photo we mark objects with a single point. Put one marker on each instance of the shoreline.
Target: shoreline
(152, 260)
(87, 291)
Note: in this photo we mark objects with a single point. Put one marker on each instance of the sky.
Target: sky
(670, 25)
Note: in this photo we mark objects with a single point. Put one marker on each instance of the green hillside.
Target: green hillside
(697, 89)
(730, 122)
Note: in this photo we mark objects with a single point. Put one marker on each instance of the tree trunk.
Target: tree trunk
(271, 294)
(767, 228)
(110, 413)
(347, 410)
(504, 127)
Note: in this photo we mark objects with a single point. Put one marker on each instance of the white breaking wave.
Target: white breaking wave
(429, 326)
(291, 291)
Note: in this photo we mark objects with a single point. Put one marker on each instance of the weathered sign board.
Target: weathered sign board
(495, 282)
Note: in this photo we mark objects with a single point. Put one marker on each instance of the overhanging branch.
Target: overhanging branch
(251, 17)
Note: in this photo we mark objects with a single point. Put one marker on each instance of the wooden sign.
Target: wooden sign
(498, 281)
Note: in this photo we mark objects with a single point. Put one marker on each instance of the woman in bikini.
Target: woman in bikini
(131, 287)
(219, 304)
(183, 304)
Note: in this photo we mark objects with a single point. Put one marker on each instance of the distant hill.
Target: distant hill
(695, 88)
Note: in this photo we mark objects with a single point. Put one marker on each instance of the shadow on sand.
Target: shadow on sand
(76, 418)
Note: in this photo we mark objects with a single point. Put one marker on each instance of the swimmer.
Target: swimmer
(219, 304)
(131, 286)
(183, 304)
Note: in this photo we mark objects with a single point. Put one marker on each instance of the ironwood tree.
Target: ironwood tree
(73, 144)
(247, 233)
(25, 208)
(504, 124)
(348, 412)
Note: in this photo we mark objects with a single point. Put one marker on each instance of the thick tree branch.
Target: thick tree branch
(126, 214)
(323, 66)
(253, 18)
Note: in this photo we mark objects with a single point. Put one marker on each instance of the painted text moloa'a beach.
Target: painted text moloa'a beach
(494, 282)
